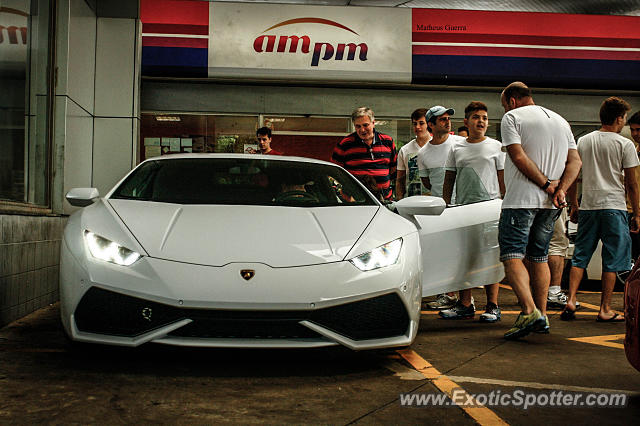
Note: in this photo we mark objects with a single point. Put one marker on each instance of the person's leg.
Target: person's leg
(465, 297)
(513, 237)
(518, 278)
(491, 291)
(558, 247)
(537, 254)
(616, 255)
(540, 285)
(608, 282)
(575, 278)
(556, 267)
(586, 243)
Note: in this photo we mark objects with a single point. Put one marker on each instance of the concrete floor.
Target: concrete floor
(45, 380)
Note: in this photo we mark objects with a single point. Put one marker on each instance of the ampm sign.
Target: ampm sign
(302, 44)
(309, 42)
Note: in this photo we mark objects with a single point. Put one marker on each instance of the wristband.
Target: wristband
(546, 185)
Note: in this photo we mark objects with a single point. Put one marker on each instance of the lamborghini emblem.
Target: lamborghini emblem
(247, 274)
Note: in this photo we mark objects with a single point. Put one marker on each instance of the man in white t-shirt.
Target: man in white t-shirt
(408, 181)
(433, 155)
(476, 167)
(541, 164)
(609, 165)
(431, 160)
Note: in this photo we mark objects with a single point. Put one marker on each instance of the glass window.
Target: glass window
(25, 101)
(311, 137)
(174, 133)
(241, 181)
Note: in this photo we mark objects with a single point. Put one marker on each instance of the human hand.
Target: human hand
(553, 186)
(634, 224)
(559, 199)
(573, 214)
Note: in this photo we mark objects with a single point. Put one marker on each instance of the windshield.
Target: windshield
(243, 181)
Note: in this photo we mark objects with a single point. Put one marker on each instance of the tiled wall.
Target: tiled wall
(29, 262)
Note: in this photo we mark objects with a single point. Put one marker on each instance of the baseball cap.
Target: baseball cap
(437, 111)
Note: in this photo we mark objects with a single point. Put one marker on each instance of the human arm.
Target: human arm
(401, 184)
(503, 188)
(447, 188)
(528, 168)
(572, 194)
(571, 170)
(631, 187)
(426, 182)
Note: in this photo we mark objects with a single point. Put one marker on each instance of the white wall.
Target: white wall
(96, 109)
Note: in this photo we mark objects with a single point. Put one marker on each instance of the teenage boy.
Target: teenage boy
(431, 161)
(476, 167)
(609, 166)
(263, 137)
(433, 155)
(408, 158)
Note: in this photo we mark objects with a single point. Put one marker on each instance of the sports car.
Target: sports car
(239, 250)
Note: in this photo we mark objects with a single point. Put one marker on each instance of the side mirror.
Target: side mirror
(420, 205)
(82, 197)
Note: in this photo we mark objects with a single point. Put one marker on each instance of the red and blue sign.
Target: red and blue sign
(175, 41)
(463, 47)
(448, 47)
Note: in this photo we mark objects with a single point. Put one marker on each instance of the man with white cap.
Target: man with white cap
(431, 161)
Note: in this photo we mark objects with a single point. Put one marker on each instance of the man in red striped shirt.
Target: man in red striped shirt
(367, 152)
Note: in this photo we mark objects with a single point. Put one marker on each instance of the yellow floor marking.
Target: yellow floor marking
(535, 385)
(481, 414)
(597, 292)
(602, 340)
(586, 313)
(597, 308)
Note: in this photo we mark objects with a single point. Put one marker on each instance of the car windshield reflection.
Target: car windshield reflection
(242, 181)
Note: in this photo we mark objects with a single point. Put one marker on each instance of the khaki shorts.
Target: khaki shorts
(559, 244)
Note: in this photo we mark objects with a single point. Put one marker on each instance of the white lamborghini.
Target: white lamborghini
(241, 250)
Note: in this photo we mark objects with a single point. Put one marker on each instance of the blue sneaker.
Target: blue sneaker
(545, 329)
(459, 311)
(491, 313)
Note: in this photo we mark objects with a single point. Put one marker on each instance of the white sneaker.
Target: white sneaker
(558, 300)
(442, 302)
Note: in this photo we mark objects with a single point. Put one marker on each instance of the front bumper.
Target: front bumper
(194, 305)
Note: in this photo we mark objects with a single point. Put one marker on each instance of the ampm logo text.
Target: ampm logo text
(302, 44)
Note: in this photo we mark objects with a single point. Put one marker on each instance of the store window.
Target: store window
(168, 133)
(25, 100)
(313, 137)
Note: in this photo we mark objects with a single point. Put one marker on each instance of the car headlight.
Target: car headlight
(104, 249)
(379, 257)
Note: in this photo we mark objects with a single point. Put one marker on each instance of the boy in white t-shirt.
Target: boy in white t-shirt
(476, 167)
(408, 181)
(433, 155)
(431, 160)
(609, 167)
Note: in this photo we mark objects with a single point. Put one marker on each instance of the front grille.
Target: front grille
(106, 312)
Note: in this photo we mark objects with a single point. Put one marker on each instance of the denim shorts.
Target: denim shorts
(610, 226)
(526, 233)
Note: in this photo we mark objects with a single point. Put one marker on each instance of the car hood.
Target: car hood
(217, 235)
